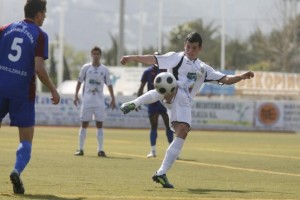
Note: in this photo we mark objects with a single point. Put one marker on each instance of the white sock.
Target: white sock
(100, 139)
(147, 98)
(153, 148)
(172, 154)
(82, 136)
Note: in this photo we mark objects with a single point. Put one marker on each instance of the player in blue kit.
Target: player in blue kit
(155, 109)
(23, 49)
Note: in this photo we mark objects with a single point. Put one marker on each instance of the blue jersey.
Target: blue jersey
(20, 43)
(148, 77)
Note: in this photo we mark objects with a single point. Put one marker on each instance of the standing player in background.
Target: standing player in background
(154, 109)
(23, 49)
(190, 73)
(94, 75)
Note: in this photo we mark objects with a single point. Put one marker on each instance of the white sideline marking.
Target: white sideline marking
(144, 197)
(251, 153)
(221, 166)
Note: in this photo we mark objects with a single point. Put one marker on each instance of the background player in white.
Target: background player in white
(94, 75)
(191, 74)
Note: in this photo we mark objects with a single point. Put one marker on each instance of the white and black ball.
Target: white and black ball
(165, 83)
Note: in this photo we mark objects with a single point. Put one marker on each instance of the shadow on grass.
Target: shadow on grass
(207, 191)
(187, 160)
(110, 157)
(40, 196)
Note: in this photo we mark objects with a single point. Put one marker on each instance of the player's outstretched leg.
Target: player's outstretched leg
(18, 186)
(163, 180)
(149, 97)
(127, 107)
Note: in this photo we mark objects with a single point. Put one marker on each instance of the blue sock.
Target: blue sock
(170, 135)
(23, 156)
(153, 136)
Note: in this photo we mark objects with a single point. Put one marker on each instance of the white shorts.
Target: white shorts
(87, 113)
(181, 109)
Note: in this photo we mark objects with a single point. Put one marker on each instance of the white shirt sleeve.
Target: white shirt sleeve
(82, 73)
(213, 76)
(168, 60)
(107, 79)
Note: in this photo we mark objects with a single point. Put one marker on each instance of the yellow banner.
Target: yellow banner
(272, 82)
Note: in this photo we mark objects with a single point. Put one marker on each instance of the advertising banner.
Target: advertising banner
(207, 114)
(274, 115)
(270, 83)
(215, 89)
(220, 114)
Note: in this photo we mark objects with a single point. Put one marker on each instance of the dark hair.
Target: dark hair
(32, 7)
(96, 48)
(194, 37)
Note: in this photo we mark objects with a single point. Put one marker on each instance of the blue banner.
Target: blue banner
(215, 89)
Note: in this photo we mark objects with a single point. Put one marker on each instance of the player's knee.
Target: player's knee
(181, 129)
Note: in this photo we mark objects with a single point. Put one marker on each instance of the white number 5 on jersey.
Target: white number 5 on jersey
(16, 47)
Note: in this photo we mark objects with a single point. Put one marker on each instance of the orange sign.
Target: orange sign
(268, 113)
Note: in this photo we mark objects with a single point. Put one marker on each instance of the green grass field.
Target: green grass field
(212, 165)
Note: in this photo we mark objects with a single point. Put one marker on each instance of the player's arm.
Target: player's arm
(232, 79)
(141, 88)
(44, 78)
(145, 59)
(76, 98)
(111, 92)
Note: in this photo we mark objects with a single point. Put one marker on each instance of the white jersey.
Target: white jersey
(191, 73)
(94, 78)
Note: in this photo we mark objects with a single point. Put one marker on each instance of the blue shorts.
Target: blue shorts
(21, 111)
(156, 107)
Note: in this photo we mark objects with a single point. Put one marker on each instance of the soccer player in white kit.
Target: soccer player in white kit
(94, 75)
(190, 73)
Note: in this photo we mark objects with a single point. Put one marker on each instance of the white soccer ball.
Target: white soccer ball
(165, 83)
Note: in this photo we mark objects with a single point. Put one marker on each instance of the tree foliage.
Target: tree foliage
(277, 51)
(110, 56)
(72, 62)
(211, 43)
(74, 59)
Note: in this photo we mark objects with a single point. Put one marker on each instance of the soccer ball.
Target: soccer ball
(165, 83)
